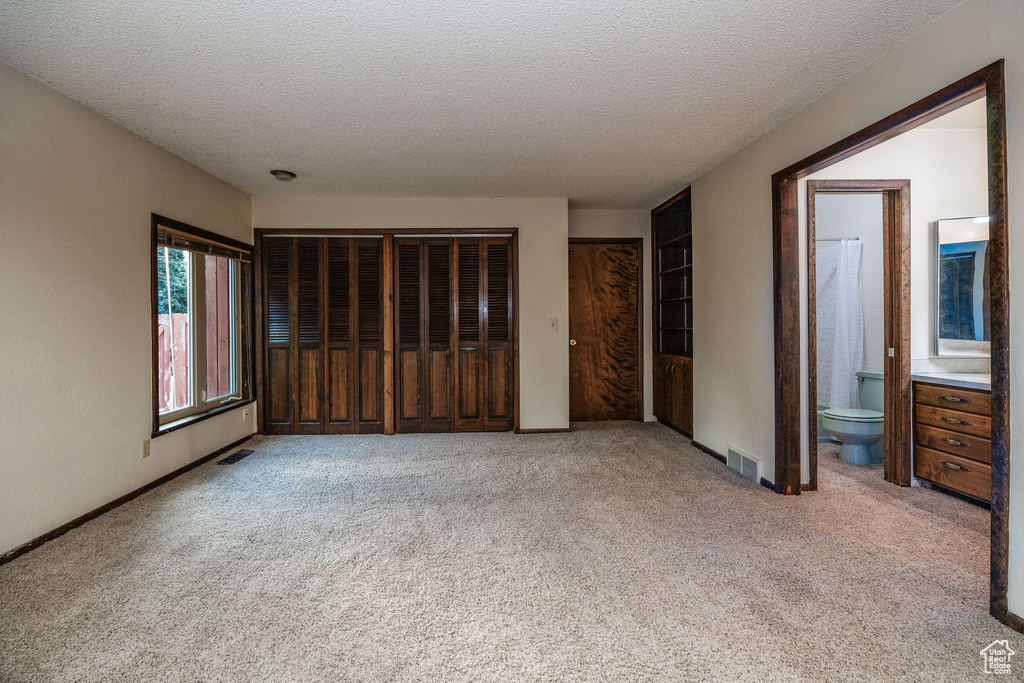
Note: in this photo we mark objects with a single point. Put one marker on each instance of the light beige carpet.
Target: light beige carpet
(616, 552)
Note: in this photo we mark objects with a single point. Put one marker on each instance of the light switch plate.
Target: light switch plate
(145, 448)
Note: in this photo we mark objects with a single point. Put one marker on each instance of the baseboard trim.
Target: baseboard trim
(671, 426)
(79, 521)
(558, 430)
(1013, 621)
(808, 487)
(713, 453)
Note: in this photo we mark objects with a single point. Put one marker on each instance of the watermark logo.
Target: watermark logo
(997, 657)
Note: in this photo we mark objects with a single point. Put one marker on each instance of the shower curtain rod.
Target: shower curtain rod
(838, 239)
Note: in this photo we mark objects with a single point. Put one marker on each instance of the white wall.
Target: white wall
(543, 271)
(732, 215)
(613, 223)
(75, 371)
(860, 216)
(948, 173)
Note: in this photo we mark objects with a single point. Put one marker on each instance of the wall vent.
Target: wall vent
(745, 464)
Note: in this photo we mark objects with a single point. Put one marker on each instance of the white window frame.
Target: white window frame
(200, 403)
(201, 406)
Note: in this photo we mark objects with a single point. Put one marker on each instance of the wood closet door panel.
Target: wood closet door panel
(436, 354)
(369, 396)
(278, 385)
(306, 341)
(498, 403)
(440, 386)
(341, 377)
(324, 335)
(408, 314)
(338, 389)
(408, 371)
(277, 304)
(423, 334)
(309, 386)
(369, 322)
(470, 305)
(469, 390)
(498, 338)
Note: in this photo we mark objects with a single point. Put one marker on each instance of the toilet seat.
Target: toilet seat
(854, 415)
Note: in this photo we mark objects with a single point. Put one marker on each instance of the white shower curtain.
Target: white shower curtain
(840, 323)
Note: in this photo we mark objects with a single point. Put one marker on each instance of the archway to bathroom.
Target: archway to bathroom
(870, 219)
(791, 343)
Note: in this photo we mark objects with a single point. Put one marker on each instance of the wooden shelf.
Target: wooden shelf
(677, 269)
(672, 243)
(674, 240)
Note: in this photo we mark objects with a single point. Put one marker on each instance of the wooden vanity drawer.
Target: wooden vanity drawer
(954, 420)
(964, 445)
(959, 474)
(954, 398)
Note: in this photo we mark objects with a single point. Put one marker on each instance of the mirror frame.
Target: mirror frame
(954, 348)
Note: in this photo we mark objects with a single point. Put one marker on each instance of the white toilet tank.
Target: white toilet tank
(872, 390)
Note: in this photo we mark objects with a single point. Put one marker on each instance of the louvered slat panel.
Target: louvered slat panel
(308, 278)
(408, 294)
(469, 292)
(278, 257)
(497, 292)
(438, 295)
(370, 292)
(337, 291)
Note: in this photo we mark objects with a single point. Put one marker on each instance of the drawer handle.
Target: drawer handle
(954, 442)
(954, 466)
(955, 399)
(953, 420)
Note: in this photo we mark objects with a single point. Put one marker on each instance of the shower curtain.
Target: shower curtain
(840, 323)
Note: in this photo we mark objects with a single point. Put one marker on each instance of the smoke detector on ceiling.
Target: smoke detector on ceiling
(282, 175)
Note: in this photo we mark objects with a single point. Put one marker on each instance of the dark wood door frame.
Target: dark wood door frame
(259, 360)
(639, 242)
(896, 274)
(987, 82)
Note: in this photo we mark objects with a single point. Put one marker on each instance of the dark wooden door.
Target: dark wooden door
(324, 335)
(423, 332)
(604, 324)
(453, 331)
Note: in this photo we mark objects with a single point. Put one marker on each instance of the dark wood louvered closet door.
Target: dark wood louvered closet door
(324, 335)
(453, 325)
(497, 272)
(423, 328)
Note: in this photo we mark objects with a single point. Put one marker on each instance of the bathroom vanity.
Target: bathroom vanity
(953, 431)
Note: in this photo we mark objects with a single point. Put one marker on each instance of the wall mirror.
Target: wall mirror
(962, 322)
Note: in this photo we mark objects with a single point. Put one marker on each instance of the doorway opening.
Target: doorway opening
(864, 233)
(791, 348)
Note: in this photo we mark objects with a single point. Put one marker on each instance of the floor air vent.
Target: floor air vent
(234, 457)
(745, 464)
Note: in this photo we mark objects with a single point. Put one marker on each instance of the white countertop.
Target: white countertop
(967, 380)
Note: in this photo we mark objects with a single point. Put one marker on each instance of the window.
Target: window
(200, 324)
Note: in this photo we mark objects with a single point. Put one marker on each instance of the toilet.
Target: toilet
(860, 430)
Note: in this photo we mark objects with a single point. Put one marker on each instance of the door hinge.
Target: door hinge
(892, 352)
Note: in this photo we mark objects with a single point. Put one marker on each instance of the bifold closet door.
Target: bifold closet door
(453, 326)
(324, 335)
(423, 332)
(484, 322)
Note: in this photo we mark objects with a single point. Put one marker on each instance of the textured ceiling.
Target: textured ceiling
(617, 103)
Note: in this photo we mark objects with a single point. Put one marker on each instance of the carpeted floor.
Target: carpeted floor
(615, 552)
